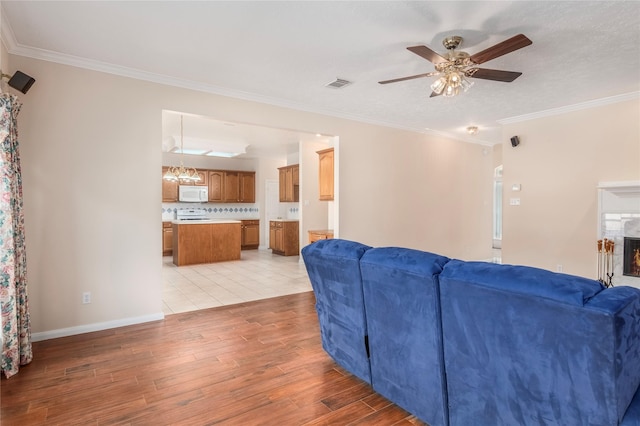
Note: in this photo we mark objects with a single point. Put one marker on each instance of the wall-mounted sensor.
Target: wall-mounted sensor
(515, 141)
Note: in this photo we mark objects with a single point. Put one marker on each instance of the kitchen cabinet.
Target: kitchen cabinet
(247, 183)
(216, 185)
(231, 187)
(169, 189)
(204, 178)
(197, 242)
(325, 178)
(167, 239)
(284, 237)
(250, 234)
(323, 234)
(228, 186)
(289, 178)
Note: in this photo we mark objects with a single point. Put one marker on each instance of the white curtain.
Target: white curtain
(16, 327)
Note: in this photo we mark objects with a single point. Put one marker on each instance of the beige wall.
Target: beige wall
(559, 162)
(315, 214)
(91, 151)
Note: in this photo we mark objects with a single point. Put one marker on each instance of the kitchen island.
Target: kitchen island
(205, 241)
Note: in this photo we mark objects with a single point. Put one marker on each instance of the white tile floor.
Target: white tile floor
(259, 274)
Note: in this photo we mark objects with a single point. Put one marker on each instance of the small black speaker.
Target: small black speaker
(515, 141)
(22, 82)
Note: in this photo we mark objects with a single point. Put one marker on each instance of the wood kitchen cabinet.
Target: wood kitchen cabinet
(289, 178)
(247, 184)
(167, 239)
(204, 178)
(325, 177)
(250, 234)
(231, 187)
(284, 237)
(322, 234)
(216, 186)
(228, 186)
(195, 243)
(169, 189)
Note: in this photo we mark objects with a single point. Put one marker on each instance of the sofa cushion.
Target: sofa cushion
(525, 346)
(632, 416)
(525, 280)
(333, 266)
(405, 337)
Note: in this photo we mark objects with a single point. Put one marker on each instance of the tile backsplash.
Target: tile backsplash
(213, 210)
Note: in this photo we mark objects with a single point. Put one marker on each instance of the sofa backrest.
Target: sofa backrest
(528, 346)
(405, 337)
(333, 267)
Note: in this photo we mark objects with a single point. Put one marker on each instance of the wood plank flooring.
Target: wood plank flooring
(255, 363)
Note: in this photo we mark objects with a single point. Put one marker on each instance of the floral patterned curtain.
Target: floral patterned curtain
(16, 327)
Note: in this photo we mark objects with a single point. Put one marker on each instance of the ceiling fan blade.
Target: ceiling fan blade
(507, 46)
(497, 75)
(427, 54)
(429, 74)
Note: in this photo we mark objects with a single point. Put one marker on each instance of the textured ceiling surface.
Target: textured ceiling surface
(284, 53)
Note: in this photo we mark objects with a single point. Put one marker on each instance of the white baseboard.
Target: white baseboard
(98, 326)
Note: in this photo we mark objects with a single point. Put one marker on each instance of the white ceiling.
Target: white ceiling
(284, 53)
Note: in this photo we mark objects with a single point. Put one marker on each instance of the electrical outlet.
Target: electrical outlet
(559, 268)
(86, 297)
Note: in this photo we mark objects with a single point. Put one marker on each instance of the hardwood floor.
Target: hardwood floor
(255, 363)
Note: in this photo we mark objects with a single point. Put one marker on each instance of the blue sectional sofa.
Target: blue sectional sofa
(337, 285)
(475, 343)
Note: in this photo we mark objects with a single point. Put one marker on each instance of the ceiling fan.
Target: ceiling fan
(457, 66)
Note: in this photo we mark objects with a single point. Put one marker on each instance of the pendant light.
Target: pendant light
(181, 174)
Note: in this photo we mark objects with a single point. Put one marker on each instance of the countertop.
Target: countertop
(284, 220)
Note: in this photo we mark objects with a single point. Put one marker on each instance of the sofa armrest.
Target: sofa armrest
(623, 304)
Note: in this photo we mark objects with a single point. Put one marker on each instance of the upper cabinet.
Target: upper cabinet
(326, 174)
(247, 184)
(227, 186)
(289, 183)
(231, 187)
(202, 174)
(169, 189)
(216, 186)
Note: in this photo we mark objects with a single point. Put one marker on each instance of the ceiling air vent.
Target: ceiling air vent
(338, 83)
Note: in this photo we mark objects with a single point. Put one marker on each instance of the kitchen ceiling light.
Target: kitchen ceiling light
(472, 130)
(181, 174)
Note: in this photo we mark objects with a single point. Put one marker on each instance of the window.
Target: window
(497, 207)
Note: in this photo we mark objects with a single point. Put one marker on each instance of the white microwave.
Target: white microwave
(193, 194)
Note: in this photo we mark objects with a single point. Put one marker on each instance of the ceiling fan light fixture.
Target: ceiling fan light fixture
(439, 85)
(466, 84)
(450, 91)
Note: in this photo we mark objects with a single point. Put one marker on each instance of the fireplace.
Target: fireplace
(619, 222)
(631, 260)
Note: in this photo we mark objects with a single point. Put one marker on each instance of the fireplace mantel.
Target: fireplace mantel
(626, 187)
(619, 217)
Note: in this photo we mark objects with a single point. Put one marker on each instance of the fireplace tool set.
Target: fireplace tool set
(605, 262)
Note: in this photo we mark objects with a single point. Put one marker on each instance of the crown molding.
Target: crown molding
(569, 108)
(15, 48)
